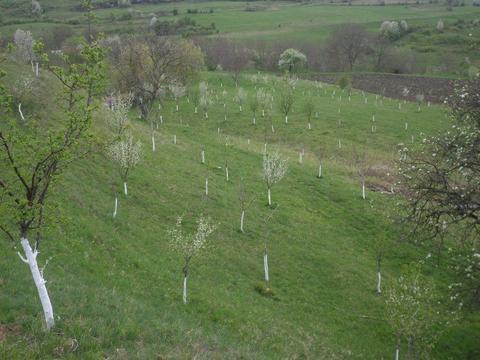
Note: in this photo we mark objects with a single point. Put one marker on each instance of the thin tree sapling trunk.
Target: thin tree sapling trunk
(242, 218)
(115, 208)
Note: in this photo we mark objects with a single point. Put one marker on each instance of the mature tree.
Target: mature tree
(148, 64)
(442, 177)
(274, 169)
(178, 91)
(347, 43)
(292, 60)
(190, 245)
(119, 106)
(379, 47)
(33, 155)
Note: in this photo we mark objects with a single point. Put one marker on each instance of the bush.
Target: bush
(345, 81)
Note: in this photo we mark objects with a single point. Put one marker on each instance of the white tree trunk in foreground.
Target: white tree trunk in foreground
(363, 190)
(206, 186)
(320, 171)
(254, 120)
(31, 260)
(185, 290)
(309, 126)
(269, 197)
(226, 173)
(286, 119)
(241, 109)
(125, 188)
(203, 156)
(153, 142)
(196, 110)
(116, 208)
(242, 217)
(175, 139)
(36, 69)
(397, 353)
(265, 266)
(379, 282)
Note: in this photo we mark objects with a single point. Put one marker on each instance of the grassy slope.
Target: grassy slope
(116, 286)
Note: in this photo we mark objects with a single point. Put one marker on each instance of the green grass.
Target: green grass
(116, 285)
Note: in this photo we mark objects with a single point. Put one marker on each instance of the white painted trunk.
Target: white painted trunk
(175, 139)
(242, 217)
(309, 126)
(184, 289)
(320, 171)
(196, 110)
(265, 266)
(206, 115)
(36, 69)
(125, 188)
(269, 197)
(379, 282)
(115, 208)
(176, 107)
(254, 120)
(263, 113)
(273, 130)
(286, 119)
(265, 148)
(339, 144)
(226, 173)
(363, 190)
(406, 125)
(241, 108)
(161, 119)
(206, 186)
(31, 260)
(20, 111)
(203, 156)
(397, 353)
(300, 157)
(153, 143)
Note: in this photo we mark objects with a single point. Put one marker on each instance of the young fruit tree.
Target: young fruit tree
(33, 155)
(267, 220)
(245, 202)
(254, 106)
(178, 91)
(190, 245)
(264, 99)
(309, 109)
(274, 169)
(194, 96)
(120, 106)
(412, 312)
(287, 97)
(361, 165)
(379, 249)
(240, 97)
(126, 153)
(205, 98)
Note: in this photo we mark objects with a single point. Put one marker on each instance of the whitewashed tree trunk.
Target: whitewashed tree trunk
(226, 173)
(254, 120)
(379, 282)
(153, 142)
(397, 350)
(265, 265)
(406, 125)
(320, 170)
(36, 69)
(269, 192)
(241, 109)
(185, 289)
(115, 208)
(176, 107)
(206, 115)
(125, 188)
(263, 112)
(37, 274)
(196, 110)
(273, 129)
(309, 126)
(339, 144)
(161, 119)
(20, 111)
(203, 156)
(242, 217)
(363, 190)
(300, 157)
(175, 139)
(206, 186)
(286, 119)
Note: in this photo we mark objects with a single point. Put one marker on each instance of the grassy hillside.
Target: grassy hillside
(116, 284)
